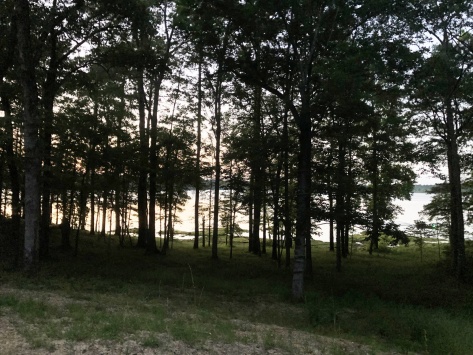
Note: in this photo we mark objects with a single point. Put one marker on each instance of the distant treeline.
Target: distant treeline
(422, 188)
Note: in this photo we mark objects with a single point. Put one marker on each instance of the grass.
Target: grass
(388, 301)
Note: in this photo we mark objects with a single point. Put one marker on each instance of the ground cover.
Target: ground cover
(111, 300)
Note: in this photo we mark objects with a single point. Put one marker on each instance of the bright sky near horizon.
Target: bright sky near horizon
(426, 178)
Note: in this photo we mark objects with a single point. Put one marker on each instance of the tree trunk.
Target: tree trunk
(218, 131)
(375, 231)
(143, 171)
(8, 144)
(82, 207)
(104, 214)
(331, 219)
(287, 206)
(330, 200)
(14, 178)
(198, 153)
(151, 246)
(251, 240)
(209, 231)
(49, 93)
(203, 231)
(303, 200)
(263, 248)
(92, 200)
(457, 234)
(339, 203)
(116, 210)
(276, 187)
(257, 172)
(31, 136)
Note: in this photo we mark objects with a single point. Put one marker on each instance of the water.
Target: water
(411, 209)
(410, 212)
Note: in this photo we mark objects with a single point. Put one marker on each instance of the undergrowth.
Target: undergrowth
(390, 300)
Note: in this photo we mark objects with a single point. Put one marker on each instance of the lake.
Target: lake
(411, 209)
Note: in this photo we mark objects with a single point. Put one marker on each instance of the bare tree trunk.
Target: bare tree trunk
(198, 153)
(151, 246)
(143, 173)
(339, 203)
(303, 206)
(218, 131)
(287, 212)
(257, 172)
(457, 233)
(92, 200)
(276, 186)
(104, 214)
(14, 179)
(31, 136)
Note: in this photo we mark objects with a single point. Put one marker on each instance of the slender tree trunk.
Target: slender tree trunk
(92, 199)
(218, 131)
(104, 214)
(263, 249)
(198, 153)
(257, 171)
(330, 201)
(92, 160)
(116, 210)
(151, 246)
(331, 219)
(209, 232)
(118, 170)
(287, 206)
(339, 202)
(14, 178)
(31, 136)
(169, 215)
(82, 207)
(303, 200)
(375, 232)
(457, 234)
(231, 220)
(143, 171)
(47, 177)
(348, 202)
(251, 241)
(203, 231)
(339, 247)
(276, 192)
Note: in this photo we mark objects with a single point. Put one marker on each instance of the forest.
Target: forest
(288, 112)
(113, 114)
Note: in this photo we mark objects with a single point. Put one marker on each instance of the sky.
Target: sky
(426, 178)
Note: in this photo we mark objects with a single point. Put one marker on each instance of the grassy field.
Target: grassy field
(119, 300)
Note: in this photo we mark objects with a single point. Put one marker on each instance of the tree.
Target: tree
(8, 93)
(443, 105)
(292, 37)
(157, 75)
(31, 128)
